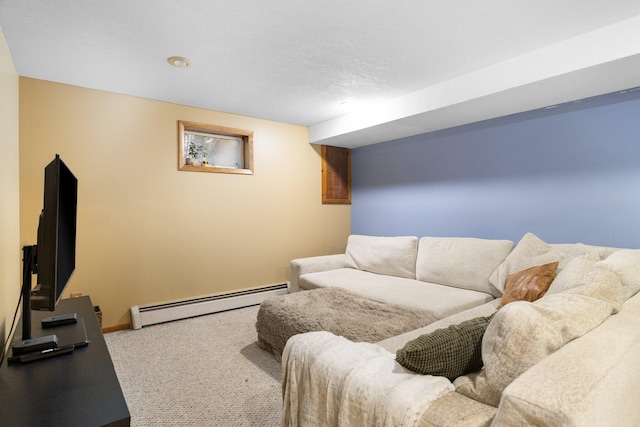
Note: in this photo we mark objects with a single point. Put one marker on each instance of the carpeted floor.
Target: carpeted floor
(206, 371)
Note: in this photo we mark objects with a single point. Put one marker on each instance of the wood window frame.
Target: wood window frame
(245, 135)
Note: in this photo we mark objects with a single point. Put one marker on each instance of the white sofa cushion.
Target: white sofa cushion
(462, 262)
(626, 264)
(577, 249)
(508, 349)
(393, 256)
(529, 252)
(439, 300)
(568, 277)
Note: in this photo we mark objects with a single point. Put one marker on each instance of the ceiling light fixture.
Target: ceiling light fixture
(179, 61)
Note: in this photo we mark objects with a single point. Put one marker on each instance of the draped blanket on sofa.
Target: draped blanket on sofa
(352, 384)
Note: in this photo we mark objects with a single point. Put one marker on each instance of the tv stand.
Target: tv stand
(76, 389)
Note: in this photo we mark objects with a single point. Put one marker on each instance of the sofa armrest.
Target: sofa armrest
(314, 264)
(592, 381)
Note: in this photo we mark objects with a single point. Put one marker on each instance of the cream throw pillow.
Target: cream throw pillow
(461, 262)
(626, 264)
(529, 252)
(603, 285)
(568, 277)
(509, 347)
(393, 256)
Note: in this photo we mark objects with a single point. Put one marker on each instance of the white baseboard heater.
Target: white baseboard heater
(165, 312)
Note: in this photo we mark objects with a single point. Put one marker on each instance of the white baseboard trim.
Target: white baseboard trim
(175, 310)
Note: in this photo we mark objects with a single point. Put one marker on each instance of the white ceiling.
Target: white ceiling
(405, 66)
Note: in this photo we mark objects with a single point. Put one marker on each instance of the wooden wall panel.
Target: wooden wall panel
(336, 175)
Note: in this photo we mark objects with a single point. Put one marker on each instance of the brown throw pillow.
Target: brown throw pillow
(529, 284)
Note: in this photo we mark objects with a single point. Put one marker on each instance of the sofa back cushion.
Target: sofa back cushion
(393, 256)
(461, 262)
(577, 249)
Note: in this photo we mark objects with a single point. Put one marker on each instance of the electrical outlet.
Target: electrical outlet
(76, 294)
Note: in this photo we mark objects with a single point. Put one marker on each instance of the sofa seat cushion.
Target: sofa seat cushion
(454, 409)
(463, 262)
(439, 300)
(394, 256)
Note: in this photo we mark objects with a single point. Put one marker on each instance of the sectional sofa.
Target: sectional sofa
(527, 334)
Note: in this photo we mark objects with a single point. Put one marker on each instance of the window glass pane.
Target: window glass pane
(211, 148)
(214, 150)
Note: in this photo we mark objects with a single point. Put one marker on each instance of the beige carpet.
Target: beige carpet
(206, 371)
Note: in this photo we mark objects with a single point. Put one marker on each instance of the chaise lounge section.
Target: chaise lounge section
(439, 275)
(381, 286)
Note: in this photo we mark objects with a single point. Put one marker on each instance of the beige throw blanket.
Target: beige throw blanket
(334, 310)
(329, 380)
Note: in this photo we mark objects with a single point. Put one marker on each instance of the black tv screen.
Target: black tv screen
(56, 248)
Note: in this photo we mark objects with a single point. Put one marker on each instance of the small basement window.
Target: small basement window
(211, 148)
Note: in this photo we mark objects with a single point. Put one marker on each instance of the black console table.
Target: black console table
(75, 389)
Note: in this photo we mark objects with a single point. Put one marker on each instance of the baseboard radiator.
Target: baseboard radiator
(166, 312)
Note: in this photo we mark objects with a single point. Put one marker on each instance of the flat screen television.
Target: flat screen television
(53, 259)
(56, 253)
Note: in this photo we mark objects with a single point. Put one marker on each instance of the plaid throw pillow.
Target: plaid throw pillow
(449, 352)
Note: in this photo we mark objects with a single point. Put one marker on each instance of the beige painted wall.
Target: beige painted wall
(10, 253)
(149, 233)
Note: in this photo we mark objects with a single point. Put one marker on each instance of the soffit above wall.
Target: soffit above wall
(597, 63)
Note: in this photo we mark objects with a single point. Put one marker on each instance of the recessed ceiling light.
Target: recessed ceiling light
(179, 61)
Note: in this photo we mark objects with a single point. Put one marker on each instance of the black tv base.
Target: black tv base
(80, 388)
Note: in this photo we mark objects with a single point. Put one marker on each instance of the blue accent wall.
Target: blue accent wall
(567, 174)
